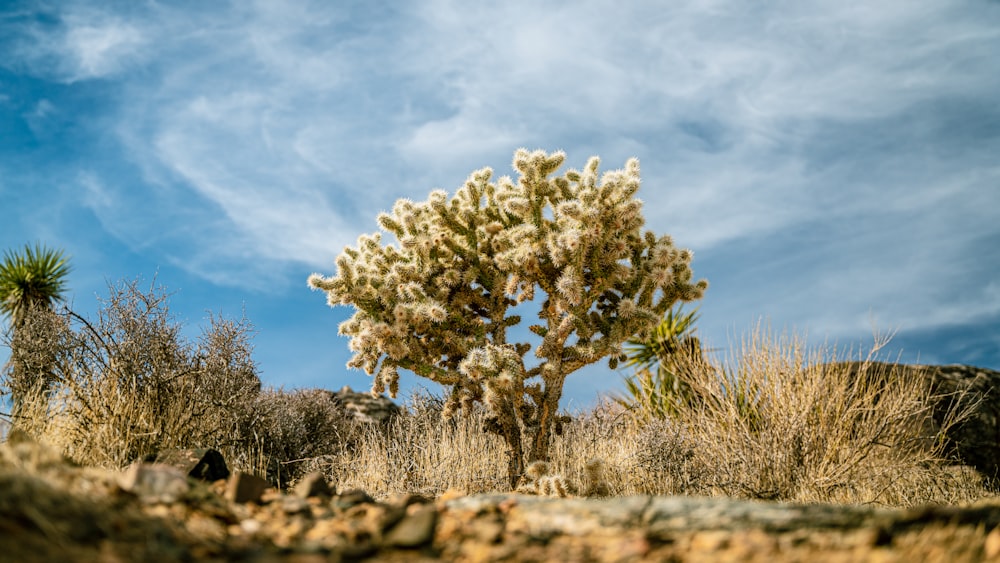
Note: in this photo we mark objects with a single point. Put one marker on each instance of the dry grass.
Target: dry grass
(286, 433)
(778, 422)
(125, 383)
(771, 422)
(774, 422)
(422, 453)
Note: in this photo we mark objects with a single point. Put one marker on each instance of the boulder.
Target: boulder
(365, 408)
(203, 464)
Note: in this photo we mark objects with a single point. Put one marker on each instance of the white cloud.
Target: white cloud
(100, 50)
(83, 43)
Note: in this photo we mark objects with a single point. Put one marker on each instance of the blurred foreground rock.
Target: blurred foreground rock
(51, 510)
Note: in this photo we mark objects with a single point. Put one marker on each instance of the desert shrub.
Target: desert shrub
(777, 422)
(818, 441)
(289, 433)
(127, 383)
(420, 451)
(32, 282)
(29, 374)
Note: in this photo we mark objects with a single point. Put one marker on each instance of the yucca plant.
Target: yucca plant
(656, 388)
(31, 283)
(30, 280)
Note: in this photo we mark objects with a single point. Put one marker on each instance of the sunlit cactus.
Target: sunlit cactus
(439, 301)
(537, 480)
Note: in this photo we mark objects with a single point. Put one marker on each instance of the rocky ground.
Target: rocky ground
(51, 510)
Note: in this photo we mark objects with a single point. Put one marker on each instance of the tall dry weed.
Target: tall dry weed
(289, 433)
(777, 421)
(423, 453)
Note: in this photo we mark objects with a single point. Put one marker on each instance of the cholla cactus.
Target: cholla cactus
(537, 480)
(439, 303)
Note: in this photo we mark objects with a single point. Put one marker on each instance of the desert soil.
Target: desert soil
(52, 510)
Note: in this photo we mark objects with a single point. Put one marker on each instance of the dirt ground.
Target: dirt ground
(51, 510)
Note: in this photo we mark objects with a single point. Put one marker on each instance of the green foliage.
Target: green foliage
(439, 303)
(670, 374)
(664, 343)
(35, 278)
(658, 387)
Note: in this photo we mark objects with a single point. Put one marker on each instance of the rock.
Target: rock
(404, 500)
(56, 511)
(350, 498)
(415, 529)
(244, 487)
(294, 505)
(976, 440)
(155, 482)
(365, 408)
(313, 485)
(202, 464)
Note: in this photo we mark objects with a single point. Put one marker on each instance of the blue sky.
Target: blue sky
(832, 164)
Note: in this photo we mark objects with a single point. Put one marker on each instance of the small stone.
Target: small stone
(203, 464)
(415, 529)
(250, 526)
(452, 494)
(350, 498)
(710, 540)
(385, 516)
(205, 527)
(154, 482)
(406, 499)
(991, 547)
(295, 505)
(367, 409)
(488, 531)
(329, 533)
(244, 487)
(313, 485)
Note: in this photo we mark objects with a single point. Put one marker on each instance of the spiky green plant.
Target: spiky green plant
(657, 386)
(31, 283)
(439, 304)
(32, 279)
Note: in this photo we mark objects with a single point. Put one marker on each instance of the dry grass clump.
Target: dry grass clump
(422, 453)
(773, 423)
(780, 423)
(288, 434)
(127, 383)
